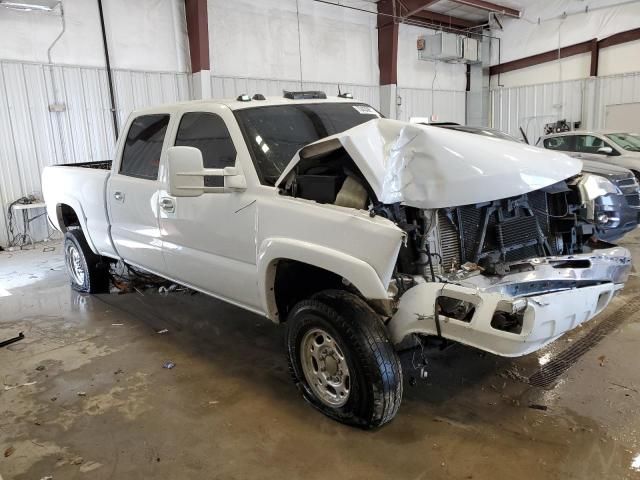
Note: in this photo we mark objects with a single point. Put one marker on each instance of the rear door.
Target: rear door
(132, 193)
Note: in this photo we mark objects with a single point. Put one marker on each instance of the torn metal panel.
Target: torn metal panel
(556, 295)
(429, 167)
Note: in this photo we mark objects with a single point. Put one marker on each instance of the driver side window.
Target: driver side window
(208, 133)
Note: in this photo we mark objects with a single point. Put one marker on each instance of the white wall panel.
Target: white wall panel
(32, 137)
(584, 100)
(448, 105)
(142, 34)
(533, 106)
(615, 90)
(292, 39)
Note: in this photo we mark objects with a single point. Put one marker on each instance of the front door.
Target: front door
(132, 194)
(209, 241)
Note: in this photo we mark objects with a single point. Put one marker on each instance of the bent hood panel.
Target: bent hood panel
(431, 167)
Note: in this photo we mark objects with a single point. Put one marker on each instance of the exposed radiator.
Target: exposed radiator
(449, 245)
(516, 237)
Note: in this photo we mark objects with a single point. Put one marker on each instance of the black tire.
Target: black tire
(375, 373)
(637, 175)
(95, 272)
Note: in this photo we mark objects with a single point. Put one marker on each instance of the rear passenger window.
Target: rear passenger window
(143, 146)
(558, 143)
(208, 133)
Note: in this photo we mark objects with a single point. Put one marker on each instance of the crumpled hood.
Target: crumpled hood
(431, 167)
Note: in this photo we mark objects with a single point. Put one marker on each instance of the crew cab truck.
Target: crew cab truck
(354, 231)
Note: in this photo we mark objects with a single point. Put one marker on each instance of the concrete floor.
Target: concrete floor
(84, 395)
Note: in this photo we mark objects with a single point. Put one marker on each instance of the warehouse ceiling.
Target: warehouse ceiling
(459, 14)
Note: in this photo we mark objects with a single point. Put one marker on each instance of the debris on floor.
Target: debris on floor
(9, 451)
(82, 394)
(537, 406)
(11, 387)
(163, 331)
(601, 360)
(9, 341)
(168, 365)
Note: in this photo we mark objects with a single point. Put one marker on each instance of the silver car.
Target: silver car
(613, 147)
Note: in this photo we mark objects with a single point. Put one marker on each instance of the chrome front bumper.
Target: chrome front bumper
(553, 295)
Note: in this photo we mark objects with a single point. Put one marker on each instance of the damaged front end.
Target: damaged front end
(507, 276)
(499, 251)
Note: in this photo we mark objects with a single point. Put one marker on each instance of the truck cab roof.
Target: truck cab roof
(236, 104)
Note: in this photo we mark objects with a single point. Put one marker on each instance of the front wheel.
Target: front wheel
(87, 271)
(342, 360)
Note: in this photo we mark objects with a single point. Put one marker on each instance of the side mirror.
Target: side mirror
(605, 150)
(186, 174)
(184, 171)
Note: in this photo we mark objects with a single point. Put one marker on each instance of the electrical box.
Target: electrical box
(441, 46)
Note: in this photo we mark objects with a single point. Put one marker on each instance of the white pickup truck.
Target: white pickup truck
(355, 231)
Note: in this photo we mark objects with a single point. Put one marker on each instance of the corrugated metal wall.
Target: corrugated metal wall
(32, 137)
(574, 100)
(231, 87)
(614, 90)
(448, 105)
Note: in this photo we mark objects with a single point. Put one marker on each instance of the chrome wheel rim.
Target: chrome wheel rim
(74, 264)
(325, 368)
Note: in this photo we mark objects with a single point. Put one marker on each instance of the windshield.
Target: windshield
(628, 141)
(274, 134)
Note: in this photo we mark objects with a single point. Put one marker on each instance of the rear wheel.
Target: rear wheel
(87, 271)
(342, 359)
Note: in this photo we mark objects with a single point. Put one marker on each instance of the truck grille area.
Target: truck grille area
(509, 229)
(628, 185)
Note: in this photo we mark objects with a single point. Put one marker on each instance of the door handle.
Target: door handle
(167, 205)
(119, 196)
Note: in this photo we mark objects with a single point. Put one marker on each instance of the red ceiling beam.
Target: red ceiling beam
(618, 38)
(198, 33)
(411, 7)
(490, 7)
(590, 46)
(387, 42)
(578, 48)
(445, 20)
(416, 10)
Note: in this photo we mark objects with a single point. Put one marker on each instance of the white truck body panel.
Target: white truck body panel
(83, 190)
(431, 167)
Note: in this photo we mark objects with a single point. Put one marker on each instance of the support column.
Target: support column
(388, 57)
(198, 32)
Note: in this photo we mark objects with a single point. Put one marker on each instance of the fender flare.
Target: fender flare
(359, 273)
(82, 218)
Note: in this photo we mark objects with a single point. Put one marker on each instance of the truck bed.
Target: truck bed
(81, 186)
